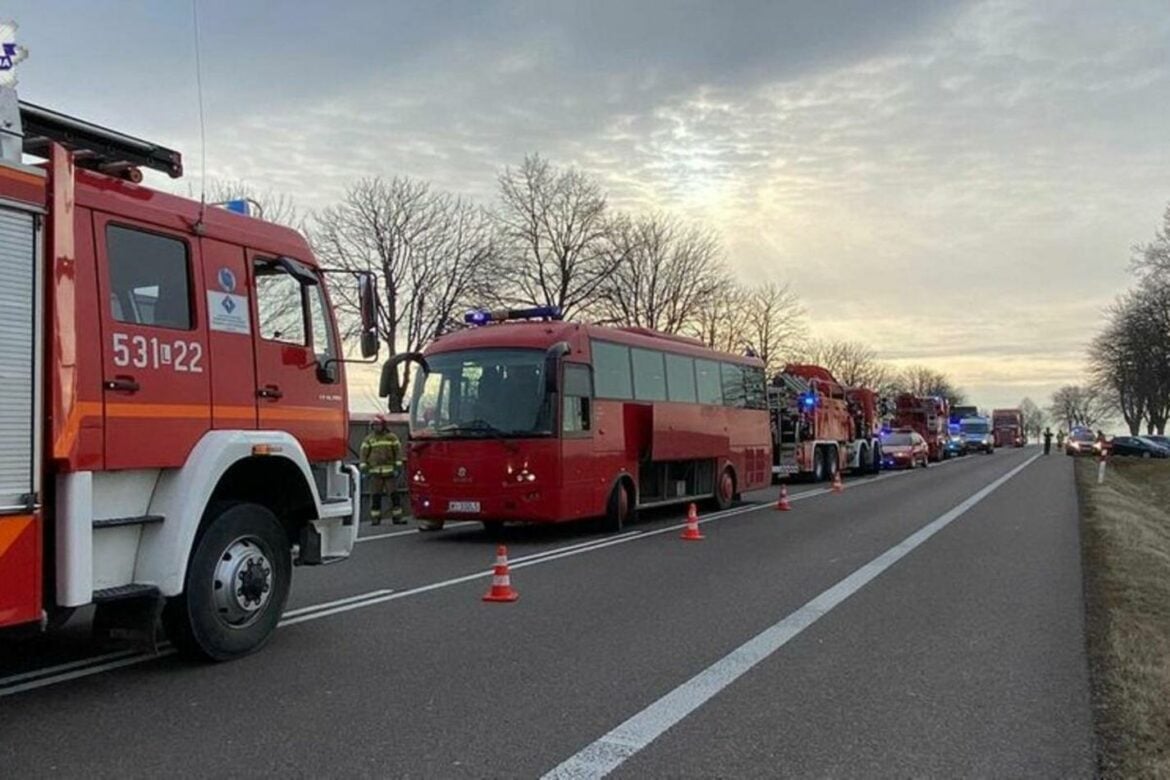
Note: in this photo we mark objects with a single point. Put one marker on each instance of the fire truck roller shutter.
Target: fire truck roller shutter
(17, 267)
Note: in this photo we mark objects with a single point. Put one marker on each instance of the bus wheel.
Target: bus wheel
(494, 528)
(236, 587)
(725, 490)
(618, 509)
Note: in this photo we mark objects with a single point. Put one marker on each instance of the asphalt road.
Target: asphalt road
(926, 623)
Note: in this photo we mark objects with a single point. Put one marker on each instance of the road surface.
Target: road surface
(924, 623)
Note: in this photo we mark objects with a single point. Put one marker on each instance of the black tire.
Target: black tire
(832, 461)
(820, 464)
(1145, 454)
(619, 509)
(875, 465)
(862, 460)
(494, 528)
(197, 620)
(725, 489)
(926, 460)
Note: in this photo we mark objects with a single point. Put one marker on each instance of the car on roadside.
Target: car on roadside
(955, 445)
(904, 449)
(1163, 441)
(1137, 447)
(1081, 441)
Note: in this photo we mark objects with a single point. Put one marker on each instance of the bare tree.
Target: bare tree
(925, 381)
(1078, 406)
(554, 228)
(663, 269)
(853, 363)
(720, 319)
(774, 323)
(1034, 417)
(433, 251)
(272, 206)
(1153, 259)
(1119, 361)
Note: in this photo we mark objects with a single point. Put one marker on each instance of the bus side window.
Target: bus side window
(577, 405)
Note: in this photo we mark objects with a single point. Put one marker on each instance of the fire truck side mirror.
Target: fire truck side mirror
(368, 303)
(552, 358)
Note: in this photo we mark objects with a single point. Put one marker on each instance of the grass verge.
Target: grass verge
(1125, 547)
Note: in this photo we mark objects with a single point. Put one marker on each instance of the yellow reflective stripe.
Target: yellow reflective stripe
(373, 444)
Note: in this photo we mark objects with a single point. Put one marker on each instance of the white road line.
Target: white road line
(71, 671)
(85, 672)
(409, 532)
(598, 759)
(288, 613)
(47, 671)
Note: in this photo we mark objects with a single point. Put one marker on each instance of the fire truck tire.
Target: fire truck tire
(214, 621)
(819, 464)
(725, 490)
(494, 528)
(875, 464)
(619, 509)
(832, 462)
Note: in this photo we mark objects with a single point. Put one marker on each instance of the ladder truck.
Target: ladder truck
(819, 427)
(173, 398)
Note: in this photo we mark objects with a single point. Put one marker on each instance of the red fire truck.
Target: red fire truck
(929, 417)
(173, 403)
(524, 417)
(1007, 426)
(820, 427)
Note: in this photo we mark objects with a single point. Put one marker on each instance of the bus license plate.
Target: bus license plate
(463, 506)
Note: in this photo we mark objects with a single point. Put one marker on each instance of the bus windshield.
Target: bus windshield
(482, 393)
(974, 426)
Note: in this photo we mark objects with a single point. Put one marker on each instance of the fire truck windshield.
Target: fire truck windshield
(482, 393)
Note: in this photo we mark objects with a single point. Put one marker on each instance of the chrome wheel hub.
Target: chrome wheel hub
(242, 583)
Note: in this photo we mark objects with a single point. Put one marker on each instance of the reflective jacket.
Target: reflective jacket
(381, 454)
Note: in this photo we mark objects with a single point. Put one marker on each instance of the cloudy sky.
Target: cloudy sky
(957, 184)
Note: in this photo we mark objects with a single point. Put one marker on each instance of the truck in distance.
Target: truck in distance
(927, 415)
(1008, 427)
(819, 427)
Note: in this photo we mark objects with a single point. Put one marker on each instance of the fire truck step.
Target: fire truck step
(119, 592)
(113, 522)
(128, 613)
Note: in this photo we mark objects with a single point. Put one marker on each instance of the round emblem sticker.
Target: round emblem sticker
(227, 280)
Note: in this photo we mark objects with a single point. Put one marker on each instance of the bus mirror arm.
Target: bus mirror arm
(388, 385)
(551, 357)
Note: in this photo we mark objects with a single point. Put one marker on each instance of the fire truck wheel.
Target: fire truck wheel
(494, 528)
(875, 464)
(819, 464)
(619, 509)
(236, 587)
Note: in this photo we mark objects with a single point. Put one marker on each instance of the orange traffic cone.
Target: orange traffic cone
(838, 486)
(691, 533)
(782, 505)
(501, 589)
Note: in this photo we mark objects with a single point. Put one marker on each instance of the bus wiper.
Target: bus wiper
(482, 427)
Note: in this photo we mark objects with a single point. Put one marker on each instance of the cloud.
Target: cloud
(955, 183)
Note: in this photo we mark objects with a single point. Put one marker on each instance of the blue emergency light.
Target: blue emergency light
(238, 206)
(808, 400)
(479, 317)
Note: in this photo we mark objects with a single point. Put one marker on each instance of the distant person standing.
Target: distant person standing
(1047, 440)
(1060, 439)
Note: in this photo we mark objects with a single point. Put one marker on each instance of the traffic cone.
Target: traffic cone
(501, 589)
(838, 486)
(691, 533)
(782, 505)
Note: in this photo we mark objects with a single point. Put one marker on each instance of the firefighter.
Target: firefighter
(1047, 439)
(381, 458)
(1060, 439)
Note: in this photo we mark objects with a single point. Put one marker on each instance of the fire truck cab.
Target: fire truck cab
(173, 399)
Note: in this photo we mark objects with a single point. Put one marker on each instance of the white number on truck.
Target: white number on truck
(138, 351)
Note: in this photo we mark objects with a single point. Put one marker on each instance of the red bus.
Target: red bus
(549, 421)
